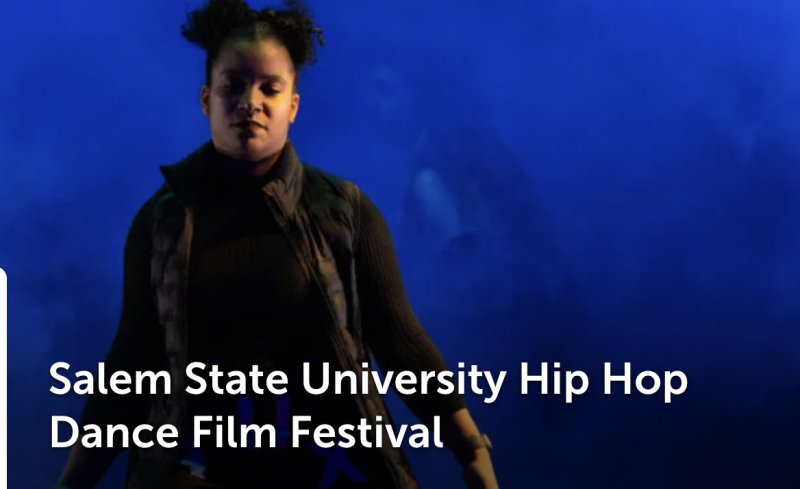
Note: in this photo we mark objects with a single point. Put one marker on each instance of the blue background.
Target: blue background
(642, 157)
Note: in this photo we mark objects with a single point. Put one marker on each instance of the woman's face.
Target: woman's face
(251, 100)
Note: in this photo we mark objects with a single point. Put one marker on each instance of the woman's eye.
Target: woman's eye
(232, 87)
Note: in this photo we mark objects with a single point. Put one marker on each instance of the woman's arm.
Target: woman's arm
(137, 346)
(460, 429)
(400, 343)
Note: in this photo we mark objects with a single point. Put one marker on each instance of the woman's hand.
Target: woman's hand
(479, 474)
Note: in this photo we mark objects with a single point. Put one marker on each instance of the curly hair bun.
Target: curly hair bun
(211, 25)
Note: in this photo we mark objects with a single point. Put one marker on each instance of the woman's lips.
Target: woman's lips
(248, 125)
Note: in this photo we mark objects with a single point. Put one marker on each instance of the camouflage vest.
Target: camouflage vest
(318, 213)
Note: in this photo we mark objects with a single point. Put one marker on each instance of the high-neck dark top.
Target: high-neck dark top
(250, 303)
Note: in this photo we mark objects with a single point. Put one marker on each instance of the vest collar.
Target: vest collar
(286, 188)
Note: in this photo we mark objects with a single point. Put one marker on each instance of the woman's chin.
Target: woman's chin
(252, 149)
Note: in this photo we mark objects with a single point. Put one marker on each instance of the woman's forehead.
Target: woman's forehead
(261, 57)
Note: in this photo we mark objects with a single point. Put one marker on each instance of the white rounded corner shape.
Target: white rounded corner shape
(3, 380)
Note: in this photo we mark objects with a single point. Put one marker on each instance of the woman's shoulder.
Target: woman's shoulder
(316, 173)
(319, 180)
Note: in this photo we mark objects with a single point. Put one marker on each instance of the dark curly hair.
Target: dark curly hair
(210, 26)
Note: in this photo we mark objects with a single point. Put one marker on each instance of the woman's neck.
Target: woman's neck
(240, 168)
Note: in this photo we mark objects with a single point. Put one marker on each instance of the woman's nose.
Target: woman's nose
(249, 102)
